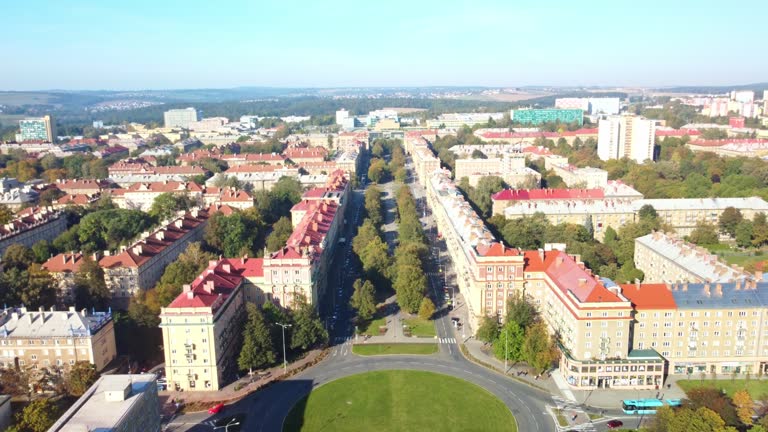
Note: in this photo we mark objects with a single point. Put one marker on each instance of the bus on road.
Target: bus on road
(646, 406)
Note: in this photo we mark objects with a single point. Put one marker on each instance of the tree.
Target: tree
(538, 349)
(14, 382)
(510, 342)
(281, 230)
(38, 416)
(744, 234)
(745, 406)
(18, 256)
(488, 330)
(729, 220)
(364, 299)
(6, 215)
(477, 154)
(647, 212)
(704, 234)
(80, 378)
(308, 330)
(426, 309)
(688, 420)
(589, 226)
(42, 251)
(377, 171)
(714, 400)
(410, 285)
(234, 235)
(168, 204)
(182, 271)
(258, 350)
(90, 288)
(520, 311)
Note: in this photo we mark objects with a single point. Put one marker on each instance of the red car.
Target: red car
(615, 424)
(216, 409)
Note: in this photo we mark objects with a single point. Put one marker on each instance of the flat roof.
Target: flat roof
(93, 411)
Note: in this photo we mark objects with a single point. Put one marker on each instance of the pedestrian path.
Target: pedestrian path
(562, 386)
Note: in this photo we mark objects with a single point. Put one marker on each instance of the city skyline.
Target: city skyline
(86, 45)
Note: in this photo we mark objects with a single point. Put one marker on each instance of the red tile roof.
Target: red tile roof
(570, 276)
(551, 135)
(64, 262)
(306, 152)
(677, 132)
(649, 296)
(496, 249)
(547, 194)
(211, 288)
(140, 252)
(74, 199)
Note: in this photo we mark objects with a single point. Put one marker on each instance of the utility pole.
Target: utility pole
(285, 359)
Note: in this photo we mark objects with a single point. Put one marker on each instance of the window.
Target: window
(489, 269)
(589, 324)
(587, 345)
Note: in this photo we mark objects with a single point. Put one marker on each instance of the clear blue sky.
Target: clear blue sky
(141, 44)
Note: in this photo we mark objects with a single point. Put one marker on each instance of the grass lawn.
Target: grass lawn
(756, 388)
(561, 418)
(403, 348)
(420, 327)
(741, 258)
(371, 328)
(385, 401)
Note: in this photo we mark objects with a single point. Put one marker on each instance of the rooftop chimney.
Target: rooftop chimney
(719, 290)
(707, 292)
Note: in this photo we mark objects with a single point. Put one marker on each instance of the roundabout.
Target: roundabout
(396, 400)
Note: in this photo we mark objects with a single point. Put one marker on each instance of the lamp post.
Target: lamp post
(285, 359)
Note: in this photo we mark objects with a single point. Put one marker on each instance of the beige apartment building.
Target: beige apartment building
(585, 178)
(63, 268)
(665, 258)
(30, 226)
(141, 265)
(53, 339)
(201, 328)
(510, 167)
(683, 214)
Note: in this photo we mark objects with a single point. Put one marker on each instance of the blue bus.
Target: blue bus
(641, 406)
(647, 406)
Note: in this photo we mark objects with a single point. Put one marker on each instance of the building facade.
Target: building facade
(539, 116)
(37, 129)
(56, 340)
(626, 136)
(181, 118)
(31, 226)
(201, 328)
(141, 265)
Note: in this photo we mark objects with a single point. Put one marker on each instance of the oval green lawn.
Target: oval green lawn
(400, 401)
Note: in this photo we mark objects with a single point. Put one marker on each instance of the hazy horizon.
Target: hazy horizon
(170, 45)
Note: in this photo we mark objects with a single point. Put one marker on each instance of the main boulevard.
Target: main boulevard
(266, 409)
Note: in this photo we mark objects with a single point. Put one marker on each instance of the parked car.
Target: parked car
(216, 409)
(615, 424)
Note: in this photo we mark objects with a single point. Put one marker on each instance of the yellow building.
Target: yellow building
(201, 328)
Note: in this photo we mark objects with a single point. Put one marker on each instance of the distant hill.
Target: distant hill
(757, 87)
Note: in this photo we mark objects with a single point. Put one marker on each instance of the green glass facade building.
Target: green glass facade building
(539, 116)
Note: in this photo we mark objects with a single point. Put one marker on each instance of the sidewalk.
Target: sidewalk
(237, 389)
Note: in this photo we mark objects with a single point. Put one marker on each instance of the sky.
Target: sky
(169, 44)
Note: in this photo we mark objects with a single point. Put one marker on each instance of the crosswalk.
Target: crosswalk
(343, 346)
(448, 340)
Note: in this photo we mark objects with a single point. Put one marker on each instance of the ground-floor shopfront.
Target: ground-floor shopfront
(642, 369)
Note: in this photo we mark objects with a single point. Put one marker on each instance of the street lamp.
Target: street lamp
(232, 422)
(285, 359)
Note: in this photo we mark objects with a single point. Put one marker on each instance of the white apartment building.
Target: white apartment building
(626, 136)
(181, 118)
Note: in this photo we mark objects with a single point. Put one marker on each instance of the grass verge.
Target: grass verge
(420, 327)
(384, 349)
(756, 388)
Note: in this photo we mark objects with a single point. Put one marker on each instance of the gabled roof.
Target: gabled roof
(211, 288)
(570, 276)
(64, 262)
(496, 249)
(649, 296)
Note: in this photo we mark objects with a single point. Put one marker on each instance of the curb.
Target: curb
(467, 355)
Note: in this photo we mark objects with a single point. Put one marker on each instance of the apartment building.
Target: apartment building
(82, 186)
(141, 196)
(683, 214)
(594, 106)
(458, 120)
(260, 177)
(301, 267)
(31, 226)
(530, 137)
(37, 129)
(539, 116)
(207, 124)
(627, 136)
(128, 173)
(79, 200)
(348, 160)
(201, 329)
(511, 167)
(585, 178)
(317, 168)
(301, 155)
(180, 118)
(125, 403)
(55, 339)
(141, 265)
(734, 147)
(703, 328)
(232, 159)
(232, 197)
(665, 258)
(63, 268)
